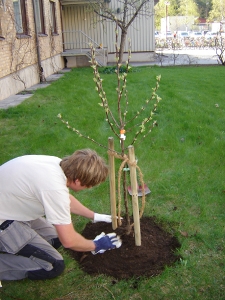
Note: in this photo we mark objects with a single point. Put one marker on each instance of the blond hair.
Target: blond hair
(85, 165)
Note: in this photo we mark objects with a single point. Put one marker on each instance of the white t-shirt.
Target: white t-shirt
(32, 186)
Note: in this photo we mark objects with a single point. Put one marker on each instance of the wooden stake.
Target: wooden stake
(112, 183)
(133, 179)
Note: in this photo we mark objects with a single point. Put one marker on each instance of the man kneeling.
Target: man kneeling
(35, 214)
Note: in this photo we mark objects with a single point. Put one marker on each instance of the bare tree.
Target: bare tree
(124, 15)
(220, 49)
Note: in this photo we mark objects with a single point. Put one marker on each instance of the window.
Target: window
(53, 17)
(39, 16)
(20, 16)
(1, 33)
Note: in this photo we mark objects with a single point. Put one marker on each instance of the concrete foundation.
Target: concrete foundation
(136, 57)
(77, 61)
(29, 76)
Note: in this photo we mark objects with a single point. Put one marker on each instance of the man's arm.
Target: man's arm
(72, 239)
(79, 209)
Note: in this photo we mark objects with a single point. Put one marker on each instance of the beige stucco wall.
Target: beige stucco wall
(25, 78)
(18, 56)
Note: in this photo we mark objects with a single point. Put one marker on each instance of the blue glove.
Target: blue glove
(106, 242)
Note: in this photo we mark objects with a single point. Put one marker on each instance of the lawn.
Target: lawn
(183, 165)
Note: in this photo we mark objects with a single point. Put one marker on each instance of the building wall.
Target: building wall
(79, 18)
(19, 61)
(80, 26)
(141, 32)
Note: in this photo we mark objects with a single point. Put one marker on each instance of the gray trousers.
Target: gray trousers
(28, 250)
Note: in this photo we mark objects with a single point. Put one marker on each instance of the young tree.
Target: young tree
(122, 12)
(137, 124)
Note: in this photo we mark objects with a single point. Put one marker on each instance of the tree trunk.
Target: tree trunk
(122, 45)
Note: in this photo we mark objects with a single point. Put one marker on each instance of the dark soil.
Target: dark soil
(157, 251)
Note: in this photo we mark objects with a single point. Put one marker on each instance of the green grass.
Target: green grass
(182, 161)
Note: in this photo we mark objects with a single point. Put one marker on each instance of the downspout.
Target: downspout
(40, 69)
(61, 13)
(61, 21)
(102, 38)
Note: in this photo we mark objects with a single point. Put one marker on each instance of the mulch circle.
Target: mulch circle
(157, 251)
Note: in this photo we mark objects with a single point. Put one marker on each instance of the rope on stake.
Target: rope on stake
(125, 160)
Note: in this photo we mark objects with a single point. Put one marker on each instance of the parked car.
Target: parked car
(210, 35)
(182, 34)
(196, 34)
(167, 35)
(204, 32)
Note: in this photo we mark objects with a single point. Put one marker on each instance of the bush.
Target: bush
(111, 70)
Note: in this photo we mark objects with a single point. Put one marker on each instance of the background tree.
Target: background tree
(175, 8)
(204, 6)
(218, 11)
(160, 11)
(188, 8)
(123, 14)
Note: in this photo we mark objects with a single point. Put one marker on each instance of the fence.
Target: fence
(187, 43)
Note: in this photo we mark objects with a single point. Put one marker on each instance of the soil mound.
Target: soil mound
(157, 251)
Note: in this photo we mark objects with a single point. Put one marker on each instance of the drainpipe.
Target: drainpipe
(61, 21)
(102, 39)
(64, 57)
(40, 69)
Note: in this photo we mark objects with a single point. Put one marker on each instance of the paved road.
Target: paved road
(183, 57)
(15, 100)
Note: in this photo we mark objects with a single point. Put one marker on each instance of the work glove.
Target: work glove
(103, 218)
(105, 242)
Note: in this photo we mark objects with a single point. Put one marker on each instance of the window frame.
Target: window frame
(54, 30)
(24, 20)
(1, 31)
(39, 17)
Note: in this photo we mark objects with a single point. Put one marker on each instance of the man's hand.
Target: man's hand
(103, 218)
(105, 242)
